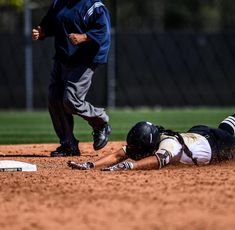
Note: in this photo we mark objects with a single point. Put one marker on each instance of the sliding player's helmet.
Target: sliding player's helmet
(142, 139)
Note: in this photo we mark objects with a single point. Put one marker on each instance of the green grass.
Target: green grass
(35, 127)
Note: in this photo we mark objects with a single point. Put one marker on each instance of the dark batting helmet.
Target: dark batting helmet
(142, 139)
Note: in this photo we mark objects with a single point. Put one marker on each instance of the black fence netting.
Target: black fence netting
(171, 69)
(163, 54)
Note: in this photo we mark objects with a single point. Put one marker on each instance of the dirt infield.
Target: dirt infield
(56, 197)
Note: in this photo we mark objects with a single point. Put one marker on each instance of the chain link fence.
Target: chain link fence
(163, 54)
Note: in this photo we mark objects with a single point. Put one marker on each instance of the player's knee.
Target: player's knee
(72, 105)
(54, 103)
(52, 98)
(68, 105)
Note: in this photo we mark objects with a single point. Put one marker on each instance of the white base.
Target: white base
(15, 166)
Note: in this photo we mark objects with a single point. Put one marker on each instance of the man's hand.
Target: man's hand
(77, 39)
(120, 166)
(84, 166)
(37, 33)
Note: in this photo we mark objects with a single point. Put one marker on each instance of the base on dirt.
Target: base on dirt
(16, 166)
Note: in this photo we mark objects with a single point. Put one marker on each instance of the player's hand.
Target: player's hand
(120, 166)
(83, 166)
(37, 33)
(76, 39)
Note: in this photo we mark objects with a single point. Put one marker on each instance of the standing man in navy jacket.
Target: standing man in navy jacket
(81, 29)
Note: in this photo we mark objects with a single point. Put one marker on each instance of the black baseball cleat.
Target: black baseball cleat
(65, 151)
(100, 136)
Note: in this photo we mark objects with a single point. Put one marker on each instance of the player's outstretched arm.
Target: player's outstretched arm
(147, 163)
(110, 159)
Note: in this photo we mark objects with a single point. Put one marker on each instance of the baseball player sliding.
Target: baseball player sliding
(153, 147)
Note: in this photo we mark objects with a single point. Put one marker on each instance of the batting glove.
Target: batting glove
(120, 166)
(84, 166)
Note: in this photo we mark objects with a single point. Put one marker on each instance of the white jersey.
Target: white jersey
(197, 144)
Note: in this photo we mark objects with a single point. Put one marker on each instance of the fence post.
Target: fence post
(28, 56)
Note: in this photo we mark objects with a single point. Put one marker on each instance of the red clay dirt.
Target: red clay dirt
(56, 197)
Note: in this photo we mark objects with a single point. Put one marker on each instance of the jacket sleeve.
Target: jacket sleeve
(98, 24)
(46, 23)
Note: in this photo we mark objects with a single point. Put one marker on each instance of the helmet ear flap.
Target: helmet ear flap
(142, 139)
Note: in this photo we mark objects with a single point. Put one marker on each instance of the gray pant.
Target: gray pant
(67, 91)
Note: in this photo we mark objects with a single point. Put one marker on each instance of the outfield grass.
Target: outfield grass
(35, 127)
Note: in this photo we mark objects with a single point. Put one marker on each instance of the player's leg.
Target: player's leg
(62, 121)
(78, 83)
(228, 124)
(224, 138)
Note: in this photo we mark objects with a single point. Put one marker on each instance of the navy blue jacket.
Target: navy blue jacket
(78, 16)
